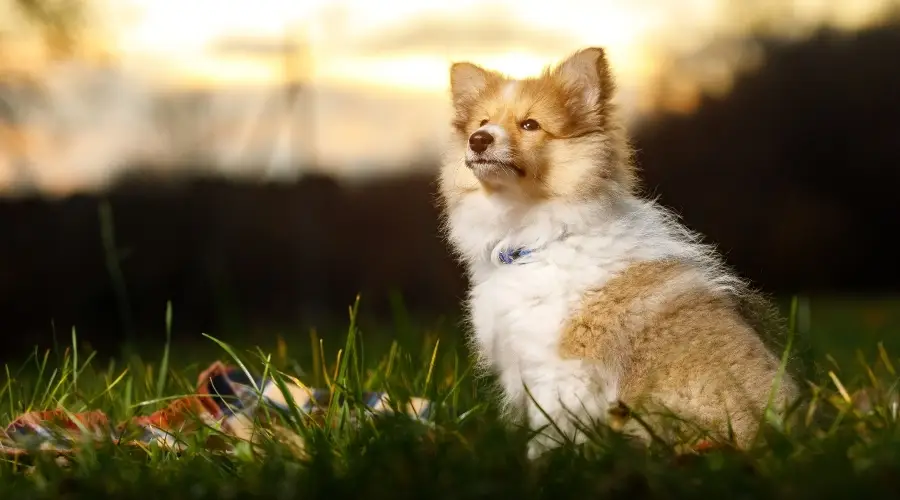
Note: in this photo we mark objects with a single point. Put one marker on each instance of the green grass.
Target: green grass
(831, 450)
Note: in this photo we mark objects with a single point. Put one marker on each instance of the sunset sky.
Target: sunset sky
(379, 70)
(407, 45)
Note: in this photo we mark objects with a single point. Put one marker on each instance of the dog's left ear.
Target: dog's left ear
(467, 81)
(587, 73)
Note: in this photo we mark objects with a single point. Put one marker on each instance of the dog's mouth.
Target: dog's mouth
(495, 164)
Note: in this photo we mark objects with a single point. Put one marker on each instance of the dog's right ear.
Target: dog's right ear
(467, 81)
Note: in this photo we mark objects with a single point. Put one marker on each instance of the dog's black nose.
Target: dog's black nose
(479, 141)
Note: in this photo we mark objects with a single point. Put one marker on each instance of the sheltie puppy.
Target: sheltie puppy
(585, 297)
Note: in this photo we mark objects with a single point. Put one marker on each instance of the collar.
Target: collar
(508, 255)
(511, 255)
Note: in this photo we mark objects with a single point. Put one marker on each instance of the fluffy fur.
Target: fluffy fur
(616, 301)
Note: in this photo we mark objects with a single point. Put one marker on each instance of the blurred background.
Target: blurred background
(259, 164)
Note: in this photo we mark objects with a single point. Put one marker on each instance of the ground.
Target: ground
(833, 450)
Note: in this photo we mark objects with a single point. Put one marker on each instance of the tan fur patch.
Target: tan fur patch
(678, 346)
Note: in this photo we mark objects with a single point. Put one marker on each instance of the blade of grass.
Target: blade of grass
(164, 364)
(317, 357)
(109, 387)
(228, 349)
(886, 359)
(74, 359)
(113, 267)
(341, 368)
(42, 366)
(8, 389)
(431, 363)
(782, 369)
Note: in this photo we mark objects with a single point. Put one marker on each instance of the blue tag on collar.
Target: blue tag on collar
(510, 255)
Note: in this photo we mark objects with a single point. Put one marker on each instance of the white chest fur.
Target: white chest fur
(518, 310)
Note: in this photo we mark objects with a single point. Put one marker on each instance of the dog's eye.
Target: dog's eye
(483, 123)
(530, 125)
